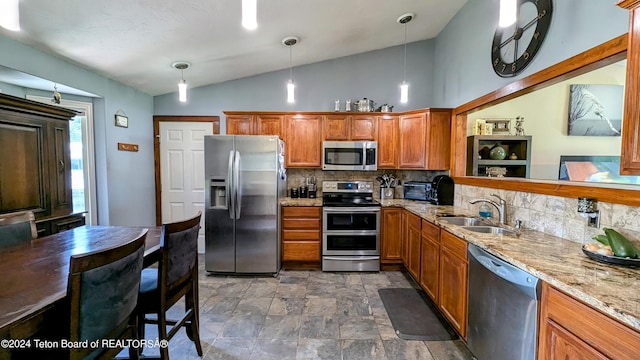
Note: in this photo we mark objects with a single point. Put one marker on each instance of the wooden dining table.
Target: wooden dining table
(33, 275)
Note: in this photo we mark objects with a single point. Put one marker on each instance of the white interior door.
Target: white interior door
(182, 171)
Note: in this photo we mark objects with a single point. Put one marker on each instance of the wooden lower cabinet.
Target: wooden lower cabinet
(301, 233)
(413, 241)
(454, 278)
(430, 260)
(572, 330)
(390, 233)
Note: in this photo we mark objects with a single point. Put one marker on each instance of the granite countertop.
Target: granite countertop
(609, 288)
(301, 202)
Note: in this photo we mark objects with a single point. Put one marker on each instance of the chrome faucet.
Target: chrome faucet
(501, 206)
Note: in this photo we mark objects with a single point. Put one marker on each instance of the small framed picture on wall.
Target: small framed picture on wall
(122, 121)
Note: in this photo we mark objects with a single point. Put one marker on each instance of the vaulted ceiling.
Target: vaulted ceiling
(136, 41)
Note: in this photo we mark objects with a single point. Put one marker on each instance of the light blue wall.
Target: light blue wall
(463, 48)
(125, 180)
(375, 75)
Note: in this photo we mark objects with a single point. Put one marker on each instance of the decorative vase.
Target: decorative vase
(497, 152)
(513, 156)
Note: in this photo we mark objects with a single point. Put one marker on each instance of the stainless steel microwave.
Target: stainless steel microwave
(349, 155)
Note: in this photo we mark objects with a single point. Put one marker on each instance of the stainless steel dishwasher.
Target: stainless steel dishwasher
(503, 309)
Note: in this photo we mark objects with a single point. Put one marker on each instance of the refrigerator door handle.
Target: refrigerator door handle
(229, 187)
(237, 182)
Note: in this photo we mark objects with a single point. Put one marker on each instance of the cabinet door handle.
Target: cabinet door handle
(61, 165)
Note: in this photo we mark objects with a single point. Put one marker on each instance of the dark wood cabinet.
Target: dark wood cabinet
(391, 231)
(35, 166)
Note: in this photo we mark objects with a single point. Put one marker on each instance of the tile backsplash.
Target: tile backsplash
(296, 177)
(553, 215)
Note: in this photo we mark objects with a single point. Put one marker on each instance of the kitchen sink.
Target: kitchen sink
(464, 221)
(490, 230)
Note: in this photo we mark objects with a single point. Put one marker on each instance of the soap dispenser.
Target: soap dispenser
(485, 210)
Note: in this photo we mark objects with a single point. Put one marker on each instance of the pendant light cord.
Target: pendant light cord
(290, 63)
(404, 77)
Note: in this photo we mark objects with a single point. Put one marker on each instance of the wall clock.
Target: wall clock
(514, 47)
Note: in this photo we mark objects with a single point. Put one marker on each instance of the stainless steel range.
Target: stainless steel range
(350, 227)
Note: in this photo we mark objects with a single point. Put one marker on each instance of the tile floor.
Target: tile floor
(302, 315)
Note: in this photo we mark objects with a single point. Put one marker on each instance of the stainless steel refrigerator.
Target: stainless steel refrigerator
(245, 179)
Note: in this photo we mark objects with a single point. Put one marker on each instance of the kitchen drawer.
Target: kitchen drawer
(301, 212)
(301, 235)
(455, 245)
(301, 251)
(307, 224)
(430, 231)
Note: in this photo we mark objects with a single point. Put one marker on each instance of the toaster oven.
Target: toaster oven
(415, 190)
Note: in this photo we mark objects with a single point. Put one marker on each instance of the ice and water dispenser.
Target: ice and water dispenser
(217, 194)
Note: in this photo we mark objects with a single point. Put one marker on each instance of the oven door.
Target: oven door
(351, 231)
(350, 219)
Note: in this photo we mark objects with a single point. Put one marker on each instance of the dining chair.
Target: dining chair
(103, 292)
(175, 277)
(17, 227)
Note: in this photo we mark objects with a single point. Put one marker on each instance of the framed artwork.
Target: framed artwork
(122, 121)
(595, 110)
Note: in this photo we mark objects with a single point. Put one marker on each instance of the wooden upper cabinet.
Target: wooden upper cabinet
(438, 139)
(240, 124)
(349, 127)
(425, 140)
(364, 127)
(268, 125)
(336, 127)
(630, 156)
(303, 140)
(413, 141)
(387, 142)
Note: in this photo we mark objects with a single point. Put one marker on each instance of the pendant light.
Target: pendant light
(404, 87)
(250, 14)
(182, 84)
(508, 13)
(10, 14)
(291, 88)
